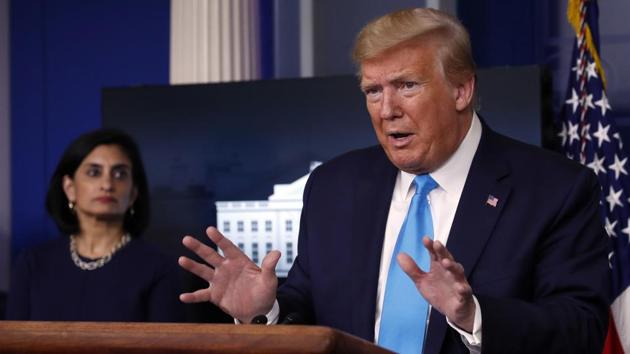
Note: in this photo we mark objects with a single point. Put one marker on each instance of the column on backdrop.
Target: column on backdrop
(214, 41)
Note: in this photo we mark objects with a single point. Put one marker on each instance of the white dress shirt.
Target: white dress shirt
(443, 202)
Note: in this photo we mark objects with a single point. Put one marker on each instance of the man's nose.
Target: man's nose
(390, 108)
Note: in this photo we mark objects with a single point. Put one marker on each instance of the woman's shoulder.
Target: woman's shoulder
(45, 249)
(46, 255)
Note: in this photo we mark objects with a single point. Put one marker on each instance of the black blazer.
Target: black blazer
(537, 261)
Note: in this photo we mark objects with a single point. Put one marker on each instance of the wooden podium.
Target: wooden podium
(118, 337)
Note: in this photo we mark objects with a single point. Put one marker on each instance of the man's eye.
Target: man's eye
(409, 84)
(371, 91)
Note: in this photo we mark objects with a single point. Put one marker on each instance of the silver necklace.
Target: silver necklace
(99, 262)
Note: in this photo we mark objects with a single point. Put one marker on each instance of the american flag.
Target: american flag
(492, 200)
(589, 135)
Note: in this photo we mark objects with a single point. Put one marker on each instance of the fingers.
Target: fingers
(228, 248)
(441, 255)
(436, 250)
(205, 252)
(409, 266)
(441, 251)
(201, 270)
(454, 268)
(208, 253)
(428, 244)
(201, 295)
(270, 261)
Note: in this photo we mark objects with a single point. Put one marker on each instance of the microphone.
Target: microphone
(260, 319)
(294, 318)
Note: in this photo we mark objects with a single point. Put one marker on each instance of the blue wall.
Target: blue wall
(516, 32)
(506, 32)
(63, 53)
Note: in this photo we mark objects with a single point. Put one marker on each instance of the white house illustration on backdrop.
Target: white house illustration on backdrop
(259, 226)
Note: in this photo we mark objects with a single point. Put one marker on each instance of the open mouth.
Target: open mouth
(399, 139)
(399, 136)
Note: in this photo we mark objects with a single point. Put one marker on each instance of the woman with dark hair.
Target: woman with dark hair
(98, 196)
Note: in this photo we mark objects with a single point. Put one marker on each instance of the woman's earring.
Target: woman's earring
(71, 205)
(132, 211)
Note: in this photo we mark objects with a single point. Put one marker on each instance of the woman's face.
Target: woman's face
(102, 186)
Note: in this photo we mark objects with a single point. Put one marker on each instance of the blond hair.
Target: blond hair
(421, 24)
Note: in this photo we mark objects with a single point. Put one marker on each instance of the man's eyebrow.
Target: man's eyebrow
(368, 85)
(394, 78)
(402, 76)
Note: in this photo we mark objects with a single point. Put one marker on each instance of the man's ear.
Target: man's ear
(464, 93)
(69, 189)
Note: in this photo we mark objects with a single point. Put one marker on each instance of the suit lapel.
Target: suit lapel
(485, 192)
(372, 198)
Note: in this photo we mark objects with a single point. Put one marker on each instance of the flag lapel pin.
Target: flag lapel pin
(492, 201)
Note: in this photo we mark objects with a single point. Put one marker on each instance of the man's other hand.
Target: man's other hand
(444, 286)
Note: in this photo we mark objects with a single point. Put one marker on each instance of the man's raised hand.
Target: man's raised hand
(444, 286)
(235, 284)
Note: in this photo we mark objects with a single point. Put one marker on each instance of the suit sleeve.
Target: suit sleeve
(567, 309)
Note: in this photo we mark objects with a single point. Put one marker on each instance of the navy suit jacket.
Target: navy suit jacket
(537, 261)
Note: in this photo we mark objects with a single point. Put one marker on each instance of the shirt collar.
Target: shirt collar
(451, 176)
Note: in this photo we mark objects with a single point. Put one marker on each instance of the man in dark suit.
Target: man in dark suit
(524, 269)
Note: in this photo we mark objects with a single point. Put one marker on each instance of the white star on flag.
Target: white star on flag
(613, 199)
(576, 68)
(590, 70)
(574, 101)
(587, 101)
(597, 165)
(563, 133)
(573, 132)
(601, 134)
(617, 166)
(626, 230)
(618, 137)
(603, 103)
(610, 228)
(610, 256)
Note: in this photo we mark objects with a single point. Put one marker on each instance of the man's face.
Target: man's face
(418, 116)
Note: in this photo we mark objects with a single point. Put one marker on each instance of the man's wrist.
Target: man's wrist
(472, 338)
(269, 318)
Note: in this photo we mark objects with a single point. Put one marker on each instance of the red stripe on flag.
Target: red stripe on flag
(612, 344)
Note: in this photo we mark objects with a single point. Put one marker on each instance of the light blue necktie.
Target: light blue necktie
(404, 313)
